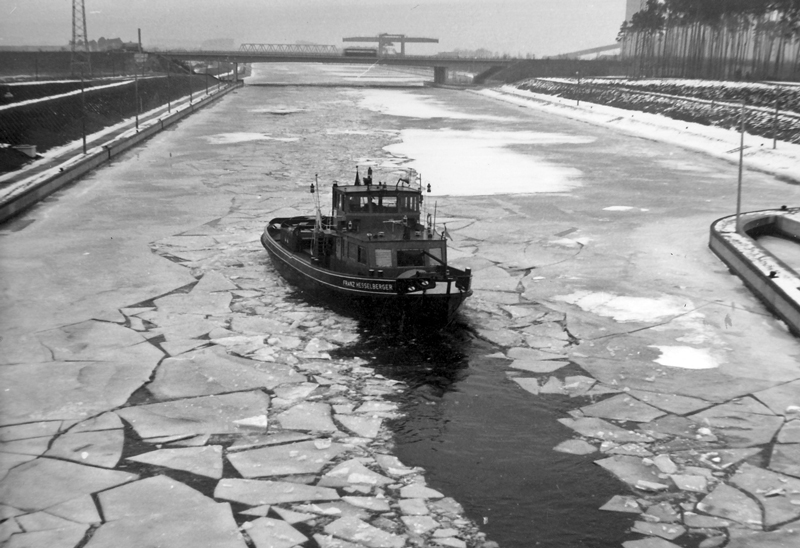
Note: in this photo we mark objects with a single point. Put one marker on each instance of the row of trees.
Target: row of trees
(716, 39)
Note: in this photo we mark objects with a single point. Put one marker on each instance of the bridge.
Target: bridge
(316, 53)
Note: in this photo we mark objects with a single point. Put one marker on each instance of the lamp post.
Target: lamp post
(140, 59)
(83, 113)
(169, 91)
(775, 118)
(741, 162)
(136, 89)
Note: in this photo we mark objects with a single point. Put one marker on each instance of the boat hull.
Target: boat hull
(366, 296)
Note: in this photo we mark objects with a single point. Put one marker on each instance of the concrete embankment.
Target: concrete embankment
(769, 278)
(29, 188)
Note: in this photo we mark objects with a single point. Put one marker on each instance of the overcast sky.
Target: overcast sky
(540, 27)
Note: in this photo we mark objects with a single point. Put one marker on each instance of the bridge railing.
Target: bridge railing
(293, 49)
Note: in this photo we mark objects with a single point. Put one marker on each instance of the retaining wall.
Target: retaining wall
(776, 284)
(40, 186)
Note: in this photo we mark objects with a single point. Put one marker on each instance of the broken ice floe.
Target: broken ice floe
(192, 416)
(295, 458)
(203, 461)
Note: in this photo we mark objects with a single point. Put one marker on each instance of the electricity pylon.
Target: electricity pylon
(80, 61)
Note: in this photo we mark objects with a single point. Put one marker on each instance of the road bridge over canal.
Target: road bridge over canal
(313, 53)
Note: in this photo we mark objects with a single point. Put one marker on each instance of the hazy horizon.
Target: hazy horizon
(515, 27)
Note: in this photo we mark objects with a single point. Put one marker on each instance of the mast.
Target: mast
(318, 221)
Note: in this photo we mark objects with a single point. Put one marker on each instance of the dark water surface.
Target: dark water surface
(489, 444)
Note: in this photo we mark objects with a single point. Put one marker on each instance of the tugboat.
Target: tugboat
(373, 253)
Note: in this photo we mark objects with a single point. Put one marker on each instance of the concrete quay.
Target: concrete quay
(24, 188)
(769, 278)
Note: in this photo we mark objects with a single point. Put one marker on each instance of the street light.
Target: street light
(741, 162)
(83, 112)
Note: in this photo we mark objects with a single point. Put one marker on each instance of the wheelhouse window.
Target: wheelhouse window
(409, 203)
(352, 251)
(387, 204)
(358, 203)
(410, 257)
(383, 258)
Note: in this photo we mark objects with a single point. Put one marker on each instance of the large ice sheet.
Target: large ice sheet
(203, 461)
(203, 415)
(355, 530)
(100, 448)
(208, 524)
(413, 105)
(257, 492)
(627, 309)
(44, 482)
(777, 494)
(294, 458)
(743, 423)
(88, 340)
(68, 390)
(308, 416)
(482, 163)
(273, 533)
(212, 371)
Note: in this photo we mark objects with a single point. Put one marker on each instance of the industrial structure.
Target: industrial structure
(80, 60)
(386, 40)
(632, 7)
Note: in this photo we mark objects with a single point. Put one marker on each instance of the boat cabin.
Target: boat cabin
(375, 230)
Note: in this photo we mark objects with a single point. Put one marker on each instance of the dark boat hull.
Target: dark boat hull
(366, 296)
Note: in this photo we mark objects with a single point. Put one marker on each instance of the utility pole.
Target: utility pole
(80, 42)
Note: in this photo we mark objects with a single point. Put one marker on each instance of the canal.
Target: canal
(589, 249)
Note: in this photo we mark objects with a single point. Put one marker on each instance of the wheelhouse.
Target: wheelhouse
(381, 233)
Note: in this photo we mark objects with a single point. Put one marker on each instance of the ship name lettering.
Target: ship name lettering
(367, 285)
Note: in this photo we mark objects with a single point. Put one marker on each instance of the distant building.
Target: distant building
(632, 7)
(113, 44)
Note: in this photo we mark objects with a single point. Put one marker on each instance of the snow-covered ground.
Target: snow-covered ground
(782, 161)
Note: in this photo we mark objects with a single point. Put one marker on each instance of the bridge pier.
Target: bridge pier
(439, 75)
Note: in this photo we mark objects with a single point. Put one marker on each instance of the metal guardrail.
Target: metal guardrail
(292, 49)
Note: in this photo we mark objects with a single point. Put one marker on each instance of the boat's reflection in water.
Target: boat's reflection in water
(486, 442)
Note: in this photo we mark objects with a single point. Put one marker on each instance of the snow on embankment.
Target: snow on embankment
(782, 161)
